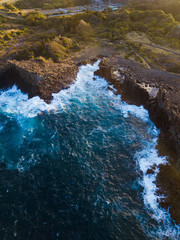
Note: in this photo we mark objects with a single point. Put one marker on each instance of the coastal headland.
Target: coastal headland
(41, 54)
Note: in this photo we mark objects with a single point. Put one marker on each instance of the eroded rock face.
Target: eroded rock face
(38, 78)
(159, 92)
(26, 81)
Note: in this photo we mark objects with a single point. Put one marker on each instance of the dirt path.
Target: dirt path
(158, 47)
(146, 61)
(75, 10)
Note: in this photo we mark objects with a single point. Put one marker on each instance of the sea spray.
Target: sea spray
(91, 128)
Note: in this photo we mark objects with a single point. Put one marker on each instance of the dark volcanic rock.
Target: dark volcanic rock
(159, 92)
(169, 185)
(24, 80)
(38, 77)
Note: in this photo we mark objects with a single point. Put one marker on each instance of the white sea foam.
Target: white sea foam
(17, 104)
(147, 159)
(138, 112)
(1, 128)
(13, 101)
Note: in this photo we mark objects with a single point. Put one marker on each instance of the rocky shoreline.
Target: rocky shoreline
(38, 77)
(157, 91)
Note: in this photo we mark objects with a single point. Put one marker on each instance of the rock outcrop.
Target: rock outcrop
(38, 77)
(159, 92)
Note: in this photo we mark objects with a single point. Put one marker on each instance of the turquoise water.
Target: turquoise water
(76, 168)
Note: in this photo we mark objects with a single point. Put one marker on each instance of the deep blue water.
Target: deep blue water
(76, 168)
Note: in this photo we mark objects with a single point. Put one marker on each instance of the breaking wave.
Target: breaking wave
(88, 96)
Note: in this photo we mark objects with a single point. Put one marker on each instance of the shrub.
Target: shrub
(68, 43)
(55, 49)
(10, 6)
(7, 37)
(49, 3)
(84, 30)
(34, 18)
(24, 54)
(138, 26)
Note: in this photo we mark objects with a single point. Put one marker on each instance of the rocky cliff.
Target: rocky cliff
(38, 77)
(158, 91)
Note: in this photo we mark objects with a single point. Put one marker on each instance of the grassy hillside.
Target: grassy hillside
(47, 4)
(139, 31)
(168, 6)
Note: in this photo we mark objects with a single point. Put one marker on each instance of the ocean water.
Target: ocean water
(77, 168)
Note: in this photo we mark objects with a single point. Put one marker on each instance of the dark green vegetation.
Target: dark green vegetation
(168, 6)
(33, 34)
(159, 27)
(47, 4)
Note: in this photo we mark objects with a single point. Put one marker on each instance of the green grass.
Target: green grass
(58, 37)
(46, 4)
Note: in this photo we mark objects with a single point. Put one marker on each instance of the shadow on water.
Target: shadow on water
(71, 193)
(68, 169)
(53, 201)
